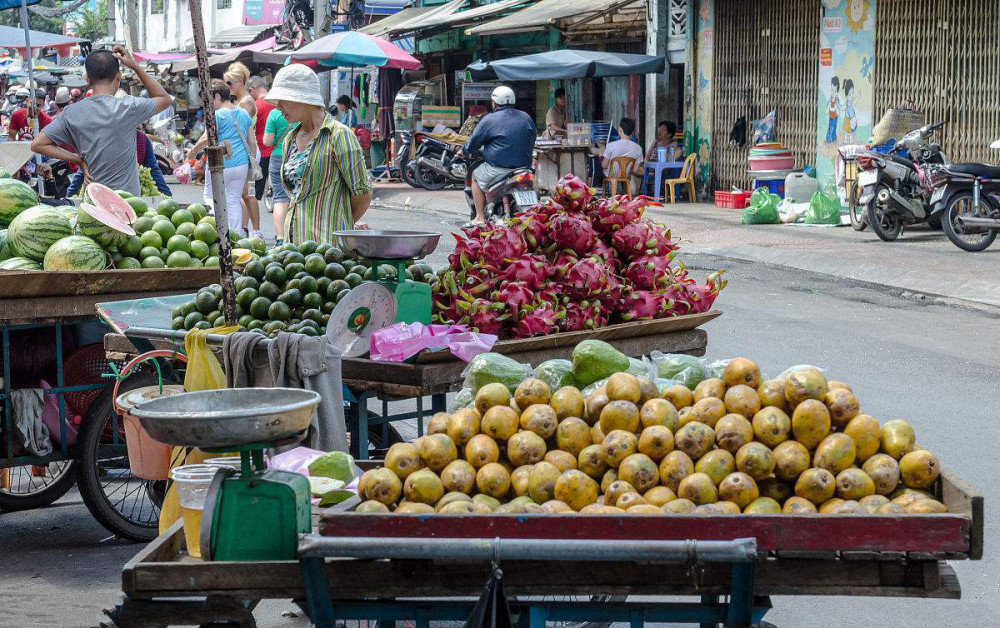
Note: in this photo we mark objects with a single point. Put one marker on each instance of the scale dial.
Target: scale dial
(363, 311)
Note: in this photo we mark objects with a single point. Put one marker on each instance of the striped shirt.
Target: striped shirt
(334, 172)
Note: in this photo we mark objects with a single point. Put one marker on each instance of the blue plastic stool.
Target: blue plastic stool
(659, 167)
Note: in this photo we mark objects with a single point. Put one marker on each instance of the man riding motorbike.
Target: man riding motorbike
(506, 138)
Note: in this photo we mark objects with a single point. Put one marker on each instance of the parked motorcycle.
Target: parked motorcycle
(508, 194)
(439, 164)
(967, 200)
(896, 190)
(404, 163)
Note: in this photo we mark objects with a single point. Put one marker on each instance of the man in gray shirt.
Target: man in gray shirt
(102, 127)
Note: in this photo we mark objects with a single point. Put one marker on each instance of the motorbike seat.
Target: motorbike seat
(985, 171)
(900, 160)
(504, 175)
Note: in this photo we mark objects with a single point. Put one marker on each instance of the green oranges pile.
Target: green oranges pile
(289, 288)
(171, 237)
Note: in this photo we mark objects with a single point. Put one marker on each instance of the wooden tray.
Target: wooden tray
(611, 333)
(33, 296)
(957, 535)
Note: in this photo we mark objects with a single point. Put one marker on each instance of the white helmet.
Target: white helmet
(503, 95)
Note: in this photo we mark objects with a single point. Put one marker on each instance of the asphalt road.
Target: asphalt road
(931, 363)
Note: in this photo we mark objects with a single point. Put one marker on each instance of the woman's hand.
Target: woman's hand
(361, 226)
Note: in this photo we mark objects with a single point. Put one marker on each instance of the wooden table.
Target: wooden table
(848, 555)
(555, 162)
(436, 373)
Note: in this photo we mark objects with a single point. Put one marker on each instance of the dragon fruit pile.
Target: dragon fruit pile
(569, 264)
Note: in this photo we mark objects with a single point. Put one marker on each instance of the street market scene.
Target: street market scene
(524, 312)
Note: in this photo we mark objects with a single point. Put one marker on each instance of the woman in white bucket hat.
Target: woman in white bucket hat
(324, 169)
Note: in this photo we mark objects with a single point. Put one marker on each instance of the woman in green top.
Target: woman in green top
(274, 135)
(323, 167)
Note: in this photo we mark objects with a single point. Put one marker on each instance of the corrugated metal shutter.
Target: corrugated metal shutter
(943, 56)
(765, 58)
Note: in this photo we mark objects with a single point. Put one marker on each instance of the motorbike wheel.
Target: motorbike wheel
(407, 173)
(428, 179)
(857, 211)
(886, 224)
(972, 239)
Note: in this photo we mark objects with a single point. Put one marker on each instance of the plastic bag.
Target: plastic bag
(203, 369)
(556, 373)
(763, 208)
(487, 368)
(398, 342)
(642, 367)
(684, 369)
(789, 212)
(823, 210)
(797, 368)
(464, 399)
(184, 172)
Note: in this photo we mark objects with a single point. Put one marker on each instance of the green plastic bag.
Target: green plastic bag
(556, 373)
(487, 368)
(763, 208)
(823, 210)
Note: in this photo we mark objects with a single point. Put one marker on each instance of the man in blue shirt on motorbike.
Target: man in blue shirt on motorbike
(506, 138)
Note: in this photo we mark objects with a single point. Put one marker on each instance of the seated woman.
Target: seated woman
(665, 132)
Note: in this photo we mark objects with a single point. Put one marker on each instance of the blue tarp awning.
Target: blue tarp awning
(15, 4)
(12, 37)
(381, 7)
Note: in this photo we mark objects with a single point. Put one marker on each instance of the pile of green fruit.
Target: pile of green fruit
(733, 444)
(169, 236)
(146, 183)
(291, 288)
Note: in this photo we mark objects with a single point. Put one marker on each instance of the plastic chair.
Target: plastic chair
(657, 168)
(621, 172)
(686, 178)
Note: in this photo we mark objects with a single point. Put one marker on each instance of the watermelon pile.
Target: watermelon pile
(109, 230)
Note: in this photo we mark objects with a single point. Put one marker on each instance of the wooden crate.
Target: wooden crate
(957, 534)
(65, 296)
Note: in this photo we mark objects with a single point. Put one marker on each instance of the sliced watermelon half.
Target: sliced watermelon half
(108, 200)
(106, 227)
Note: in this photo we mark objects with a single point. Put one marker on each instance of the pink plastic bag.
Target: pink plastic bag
(183, 173)
(50, 417)
(398, 342)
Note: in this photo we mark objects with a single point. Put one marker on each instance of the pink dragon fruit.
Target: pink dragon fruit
(610, 215)
(534, 225)
(485, 317)
(533, 270)
(649, 272)
(501, 246)
(583, 315)
(613, 293)
(514, 294)
(467, 249)
(572, 193)
(602, 251)
(538, 320)
(643, 305)
(588, 277)
(642, 238)
(562, 262)
(572, 232)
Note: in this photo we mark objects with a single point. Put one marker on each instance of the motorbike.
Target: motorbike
(439, 164)
(404, 162)
(967, 199)
(896, 190)
(506, 195)
(56, 183)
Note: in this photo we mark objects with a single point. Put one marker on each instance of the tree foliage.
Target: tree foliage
(91, 22)
(35, 22)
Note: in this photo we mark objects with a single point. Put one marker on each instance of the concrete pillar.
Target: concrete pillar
(657, 85)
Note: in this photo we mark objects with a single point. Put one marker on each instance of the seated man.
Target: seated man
(623, 147)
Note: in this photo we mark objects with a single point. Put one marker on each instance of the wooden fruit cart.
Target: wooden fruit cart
(436, 373)
(389, 567)
(61, 302)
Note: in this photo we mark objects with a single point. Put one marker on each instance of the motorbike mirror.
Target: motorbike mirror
(995, 145)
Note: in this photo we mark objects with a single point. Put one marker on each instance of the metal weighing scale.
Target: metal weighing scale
(258, 513)
(379, 303)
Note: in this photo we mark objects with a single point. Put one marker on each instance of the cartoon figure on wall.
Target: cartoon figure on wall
(833, 110)
(857, 14)
(850, 114)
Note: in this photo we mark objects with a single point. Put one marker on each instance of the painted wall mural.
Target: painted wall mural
(699, 135)
(845, 96)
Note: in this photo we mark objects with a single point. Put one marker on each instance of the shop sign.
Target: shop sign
(826, 57)
(263, 11)
(477, 91)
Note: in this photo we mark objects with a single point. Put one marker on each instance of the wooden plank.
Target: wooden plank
(68, 308)
(33, 284)
(611, 334)
(960, 497)
(802, 533)
(163, 548)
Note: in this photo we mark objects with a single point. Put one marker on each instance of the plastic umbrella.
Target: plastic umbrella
(354, 49)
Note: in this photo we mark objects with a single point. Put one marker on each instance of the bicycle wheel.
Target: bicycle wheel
(35, 486)
(126, 505)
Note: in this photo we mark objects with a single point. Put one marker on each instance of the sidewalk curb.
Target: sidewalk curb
(906, 286)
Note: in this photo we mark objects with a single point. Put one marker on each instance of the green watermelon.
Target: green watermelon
(15, 197)
(75, 253)
(106, 228)
(20, 263)
(34, 230)
(4, 174)
(4, 249)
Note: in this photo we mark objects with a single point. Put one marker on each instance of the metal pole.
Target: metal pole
(735, 551)
(32, 107)
(215, 164)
